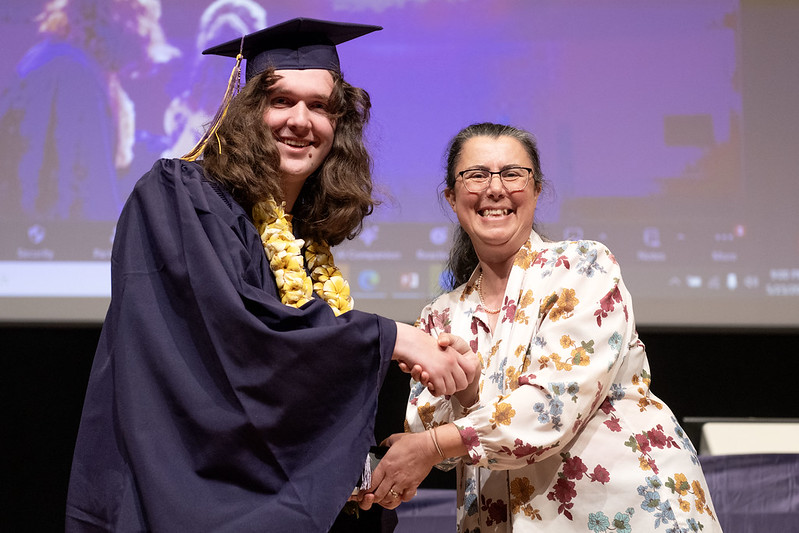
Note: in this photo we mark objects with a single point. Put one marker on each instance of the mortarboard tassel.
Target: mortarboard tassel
(233, 86)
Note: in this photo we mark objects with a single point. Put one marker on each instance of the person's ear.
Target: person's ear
(449, 194)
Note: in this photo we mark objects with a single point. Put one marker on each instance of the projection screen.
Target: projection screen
(668, 130)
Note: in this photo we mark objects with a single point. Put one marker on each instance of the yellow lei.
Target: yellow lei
(283, 251)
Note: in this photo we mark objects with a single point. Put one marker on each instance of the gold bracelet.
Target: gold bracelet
(435, 443)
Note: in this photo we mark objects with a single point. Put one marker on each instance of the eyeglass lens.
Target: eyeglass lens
(513, 179)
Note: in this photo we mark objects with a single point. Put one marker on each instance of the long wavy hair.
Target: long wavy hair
(462, 256)
(334, 199)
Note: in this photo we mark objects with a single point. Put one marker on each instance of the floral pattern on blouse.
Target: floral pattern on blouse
(566, 433)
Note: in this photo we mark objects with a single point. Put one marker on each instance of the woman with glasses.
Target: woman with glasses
(560, 430)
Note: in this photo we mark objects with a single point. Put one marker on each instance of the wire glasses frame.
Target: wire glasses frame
(512, 178)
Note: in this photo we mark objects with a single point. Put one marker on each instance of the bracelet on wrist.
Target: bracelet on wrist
(435, 443)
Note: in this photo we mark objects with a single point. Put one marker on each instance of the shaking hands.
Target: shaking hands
(445, 365)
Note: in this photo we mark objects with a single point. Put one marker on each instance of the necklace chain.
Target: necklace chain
(480, 295)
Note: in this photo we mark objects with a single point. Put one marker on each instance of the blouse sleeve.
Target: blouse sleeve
(425, 411)
(583, 325)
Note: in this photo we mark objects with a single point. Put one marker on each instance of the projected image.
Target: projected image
(644, 114)
(68, 119)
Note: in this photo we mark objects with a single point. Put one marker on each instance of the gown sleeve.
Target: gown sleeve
(212, 405)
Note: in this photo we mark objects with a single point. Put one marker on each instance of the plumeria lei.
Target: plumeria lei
(284, 252)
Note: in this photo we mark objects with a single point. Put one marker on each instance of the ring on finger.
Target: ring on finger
(394, 493)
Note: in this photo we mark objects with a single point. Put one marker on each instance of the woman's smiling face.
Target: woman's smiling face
(497, 221)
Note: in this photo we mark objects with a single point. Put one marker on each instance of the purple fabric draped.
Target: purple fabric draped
(757, 493)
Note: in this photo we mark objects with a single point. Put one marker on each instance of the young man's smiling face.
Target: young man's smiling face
(299, 120)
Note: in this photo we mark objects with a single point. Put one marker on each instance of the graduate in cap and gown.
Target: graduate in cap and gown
(234, 387)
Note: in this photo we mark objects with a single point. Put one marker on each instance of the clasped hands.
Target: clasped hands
(411, 456)
(444, 365)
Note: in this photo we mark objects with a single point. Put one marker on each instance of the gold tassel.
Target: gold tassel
(233, 86)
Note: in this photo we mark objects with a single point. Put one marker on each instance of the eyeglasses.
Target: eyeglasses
(478, 179)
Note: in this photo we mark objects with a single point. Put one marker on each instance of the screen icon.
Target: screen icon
(36, 234)
(652, 237)
(368, 279)
(439, 235)
(409, 280)
(693, 281)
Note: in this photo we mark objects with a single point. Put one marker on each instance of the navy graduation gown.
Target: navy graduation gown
(211, 405)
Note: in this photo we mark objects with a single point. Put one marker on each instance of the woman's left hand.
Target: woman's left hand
(407, 462)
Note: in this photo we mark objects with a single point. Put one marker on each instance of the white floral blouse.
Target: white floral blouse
(566, 435)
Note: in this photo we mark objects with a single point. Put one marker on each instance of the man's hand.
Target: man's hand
(467, 361)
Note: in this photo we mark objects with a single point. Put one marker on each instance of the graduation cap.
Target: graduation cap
(300, 43)
(297, 44)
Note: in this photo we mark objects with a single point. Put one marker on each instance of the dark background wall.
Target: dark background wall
(698, 373)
